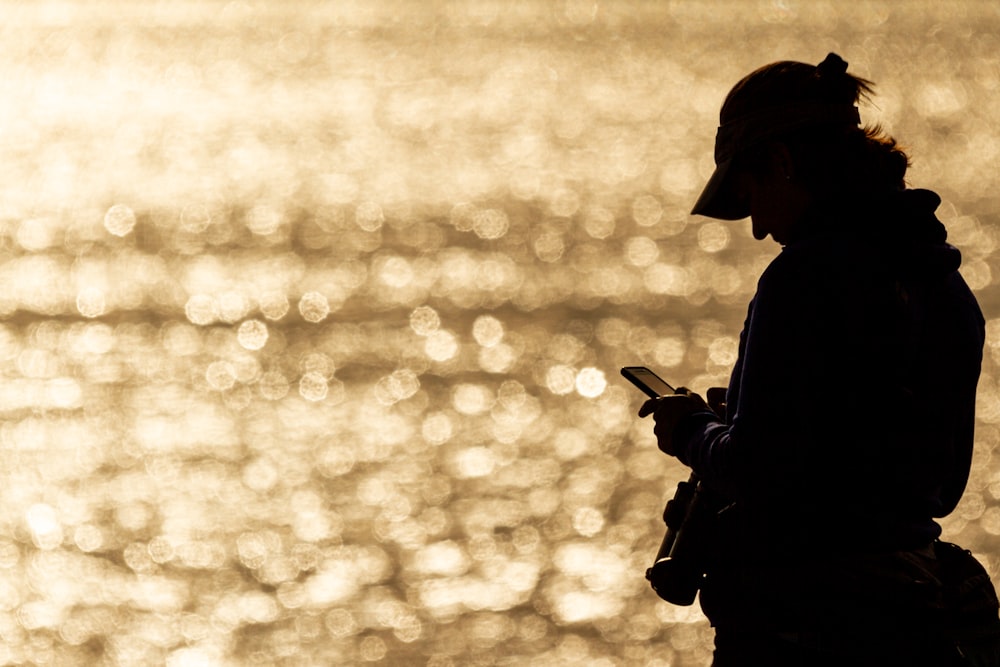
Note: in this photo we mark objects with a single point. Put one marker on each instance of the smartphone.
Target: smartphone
(649, 382)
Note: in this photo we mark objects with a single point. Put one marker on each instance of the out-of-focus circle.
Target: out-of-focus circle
(313, 386)
(90, 302)
(487, 330)
(647, 211)
(201, 309)
(314, 307)
(369, 216)
(220, 375)
(264, 219)
(591, 382)
(273, 386)
(119, 220)
(273, 304)
(441, 345)
(490, 224)
(424, 320)
(713, 237)
(599, 223)
(252, 335)
(560, 379)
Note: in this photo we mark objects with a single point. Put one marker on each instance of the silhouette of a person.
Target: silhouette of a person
(851, 407)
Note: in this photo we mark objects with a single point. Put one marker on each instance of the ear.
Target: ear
(782, 163)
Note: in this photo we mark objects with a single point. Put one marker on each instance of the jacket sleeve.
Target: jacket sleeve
(771, 393)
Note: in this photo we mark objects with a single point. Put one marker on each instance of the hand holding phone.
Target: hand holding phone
(666, 404)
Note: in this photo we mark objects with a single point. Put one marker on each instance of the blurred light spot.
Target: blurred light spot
(220, 375)
(195, 218)
(641, 251)
(713, 236)
(90, 302)
(680, 177)
(474, 462)
(317, 361)
(580, 606)
(44, 526)
(669, 279)
(549, 247)
(252, 335)
(193, 656)
(260, 474)
(37, 234)
(273, 385)
(255, 548)
(588, 521)
(233, 306)
(669, 352)
(599, 569)
(372, 649)
(525, 183)
(565, 203)
(570, 443)
(462, 216)
(200, 309)
(471, 399)
(977, 274)
(723, 350)
(487, 330)
(397, 386)
(646, 211)
(369, 216)
(941, 98)
(335, 461)
(181, 339)
(396, 272)
(340, 623)
(119, 220)
(313, 386)
(560, 379)
(991, 520)
(273, 304)
(64, 393)
(590, 382)
(441, 345)
(264, 219)
(314, 307)
(726, 280)
(160, 550)
(599, 223)
(424, 320)
(88, 537)
(490, 224)
(445, 558)
(437, 428)
(497, 359)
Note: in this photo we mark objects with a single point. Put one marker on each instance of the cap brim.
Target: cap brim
(719, 198)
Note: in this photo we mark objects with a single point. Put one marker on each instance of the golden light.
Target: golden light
(312, 313)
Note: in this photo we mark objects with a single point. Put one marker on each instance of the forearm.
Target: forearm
(703, 442)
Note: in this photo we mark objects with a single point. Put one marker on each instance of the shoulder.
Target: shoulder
(812, 260)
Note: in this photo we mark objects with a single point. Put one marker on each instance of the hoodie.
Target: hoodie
(852, 404)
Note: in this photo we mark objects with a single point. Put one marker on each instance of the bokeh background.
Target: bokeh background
(311, 313)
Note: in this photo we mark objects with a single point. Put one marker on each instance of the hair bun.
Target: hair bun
(832, 65)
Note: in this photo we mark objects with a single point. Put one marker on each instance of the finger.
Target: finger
(648, 407)
(717, 394)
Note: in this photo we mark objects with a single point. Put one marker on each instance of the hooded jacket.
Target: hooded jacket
(852, 404)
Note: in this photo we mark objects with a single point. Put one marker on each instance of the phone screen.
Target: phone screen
(648, 381)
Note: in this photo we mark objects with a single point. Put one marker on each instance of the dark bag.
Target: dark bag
(932, 606)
